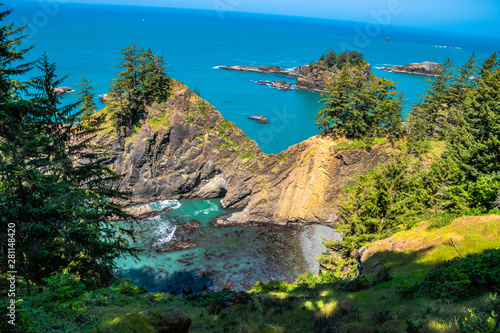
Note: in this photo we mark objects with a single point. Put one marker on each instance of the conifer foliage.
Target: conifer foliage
(141, 82)
(53, 182)
(359, 105)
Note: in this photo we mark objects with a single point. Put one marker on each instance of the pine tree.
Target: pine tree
(141, 82)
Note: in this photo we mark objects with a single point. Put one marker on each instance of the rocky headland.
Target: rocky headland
(311, 77)
(184, 148)
(425, 68)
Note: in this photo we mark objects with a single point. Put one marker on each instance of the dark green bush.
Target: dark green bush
(63, 288)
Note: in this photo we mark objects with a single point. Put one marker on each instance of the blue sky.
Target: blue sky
(468, 16)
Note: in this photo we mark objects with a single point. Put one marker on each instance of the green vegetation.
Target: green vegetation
(354, 58)
(360, 106)
(142, 82)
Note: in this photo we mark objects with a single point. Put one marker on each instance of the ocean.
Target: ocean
(86, 39)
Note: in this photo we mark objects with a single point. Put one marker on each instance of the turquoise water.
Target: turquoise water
(225, 257)
(87, 39)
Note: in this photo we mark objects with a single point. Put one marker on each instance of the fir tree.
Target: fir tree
(360, 106)
(53, 183)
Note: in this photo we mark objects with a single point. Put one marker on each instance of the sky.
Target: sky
(467, 16)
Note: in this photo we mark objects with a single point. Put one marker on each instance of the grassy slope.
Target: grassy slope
(408, 256)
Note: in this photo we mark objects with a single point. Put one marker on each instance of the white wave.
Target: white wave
(291, 68)
(213, 208)
(160, 205)
(216, 67)
(447, 47)
(165, 230)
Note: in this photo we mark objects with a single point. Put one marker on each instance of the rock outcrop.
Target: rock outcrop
(280, 84)
(59, 91)
(259, 69)
(183, 149)
(311, 77)
(301, 184)
(425, 68)
(186, 149)
(260, 119)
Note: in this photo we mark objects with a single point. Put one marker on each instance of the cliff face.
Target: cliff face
(183, 149)
(303, 183)
(186, 149)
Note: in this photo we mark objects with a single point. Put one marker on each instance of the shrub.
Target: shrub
(128, 288)
(271, 286)
(63, 288)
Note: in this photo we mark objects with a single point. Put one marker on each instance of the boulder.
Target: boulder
(261, 119)
(280, 84)
(177, 247)
(193, 224)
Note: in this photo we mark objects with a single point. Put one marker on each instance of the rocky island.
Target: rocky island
(425, 68)
(59, 91)
(280, 84)
(312, 77)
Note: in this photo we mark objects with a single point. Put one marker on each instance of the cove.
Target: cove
(232, 257)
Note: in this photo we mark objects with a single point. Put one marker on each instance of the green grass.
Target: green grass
(160, 121)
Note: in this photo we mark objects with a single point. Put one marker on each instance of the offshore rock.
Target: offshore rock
(280, 84)
(59, 91)
(260, 119)
(425, 68)
(259, 69)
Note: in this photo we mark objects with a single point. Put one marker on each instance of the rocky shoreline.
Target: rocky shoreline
(425, 68)
(309, 77)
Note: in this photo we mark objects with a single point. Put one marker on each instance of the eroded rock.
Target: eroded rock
(425, 68)
(59, 91)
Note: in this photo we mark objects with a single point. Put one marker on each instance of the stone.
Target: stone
(260, 119)
(178, 246)
(59, 91)
(191, 158)
(280, 84)
(193, 224)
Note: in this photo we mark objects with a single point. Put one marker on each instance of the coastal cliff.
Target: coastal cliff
(184, 148)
